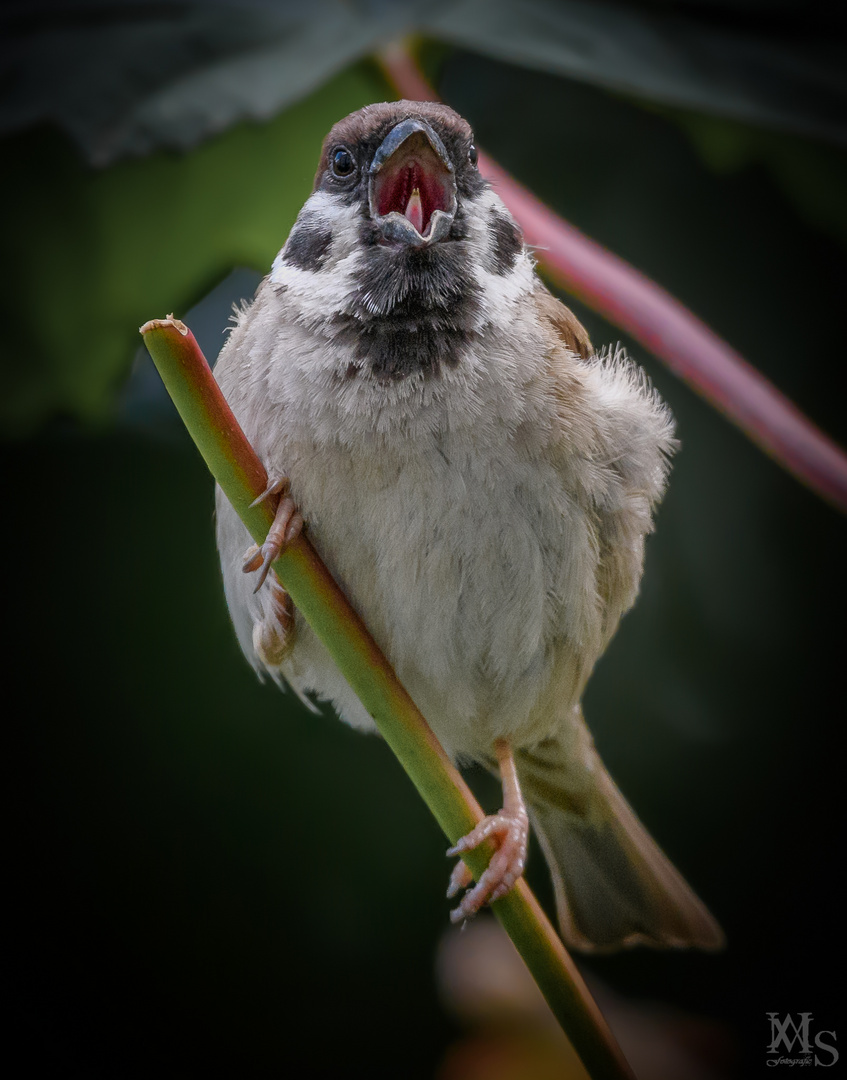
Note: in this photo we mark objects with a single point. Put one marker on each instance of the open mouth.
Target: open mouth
(412, 189)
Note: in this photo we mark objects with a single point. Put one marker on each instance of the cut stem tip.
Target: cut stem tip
(160, 324)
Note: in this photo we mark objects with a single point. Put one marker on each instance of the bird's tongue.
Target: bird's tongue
(414, 210)
(412, 190)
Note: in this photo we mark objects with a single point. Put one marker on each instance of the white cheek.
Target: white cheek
(502, 292)
(313, 293)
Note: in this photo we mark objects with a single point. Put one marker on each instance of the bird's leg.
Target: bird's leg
(273, 635)
(287, 525)
(510, 828)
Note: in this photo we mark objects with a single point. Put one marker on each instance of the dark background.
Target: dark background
(201, 877)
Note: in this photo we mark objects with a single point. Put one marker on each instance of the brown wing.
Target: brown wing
(617, 437)
(569, 329)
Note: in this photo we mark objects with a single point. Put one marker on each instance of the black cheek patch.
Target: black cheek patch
(506, 242)
(307, 247)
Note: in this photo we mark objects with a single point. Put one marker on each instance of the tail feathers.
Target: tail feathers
(614, 886)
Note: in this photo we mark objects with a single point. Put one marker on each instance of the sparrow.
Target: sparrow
(478, 480)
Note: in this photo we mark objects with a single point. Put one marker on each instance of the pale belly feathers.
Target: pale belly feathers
(464, 555)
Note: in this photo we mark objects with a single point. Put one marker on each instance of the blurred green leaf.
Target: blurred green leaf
(125, 78)
(96, 253)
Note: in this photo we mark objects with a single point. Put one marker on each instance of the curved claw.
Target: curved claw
(252, 559)
(287, 526)
(261, 559)
(269, 554)
(279, 486)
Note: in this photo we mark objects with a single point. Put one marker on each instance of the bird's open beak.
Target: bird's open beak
(412, 186)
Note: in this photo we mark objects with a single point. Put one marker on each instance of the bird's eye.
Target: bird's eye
(342, 161)
(473, 156)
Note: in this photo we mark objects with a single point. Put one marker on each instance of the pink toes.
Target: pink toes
(506, 866)
(459, 879)
(287, 526)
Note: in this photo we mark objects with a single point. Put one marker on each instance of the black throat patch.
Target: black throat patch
(415, 309)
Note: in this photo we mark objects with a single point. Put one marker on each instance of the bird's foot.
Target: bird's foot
(287, 526)
(511, 831)
(273, 636)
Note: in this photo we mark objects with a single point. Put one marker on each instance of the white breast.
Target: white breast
(449, 533)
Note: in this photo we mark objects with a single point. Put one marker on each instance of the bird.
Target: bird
(480, 482)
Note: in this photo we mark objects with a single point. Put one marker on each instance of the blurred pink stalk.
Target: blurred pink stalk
(644, 310)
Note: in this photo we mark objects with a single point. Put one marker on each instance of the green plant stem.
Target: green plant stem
(242, 477)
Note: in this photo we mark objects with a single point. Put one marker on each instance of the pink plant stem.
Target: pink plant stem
(644, 310)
